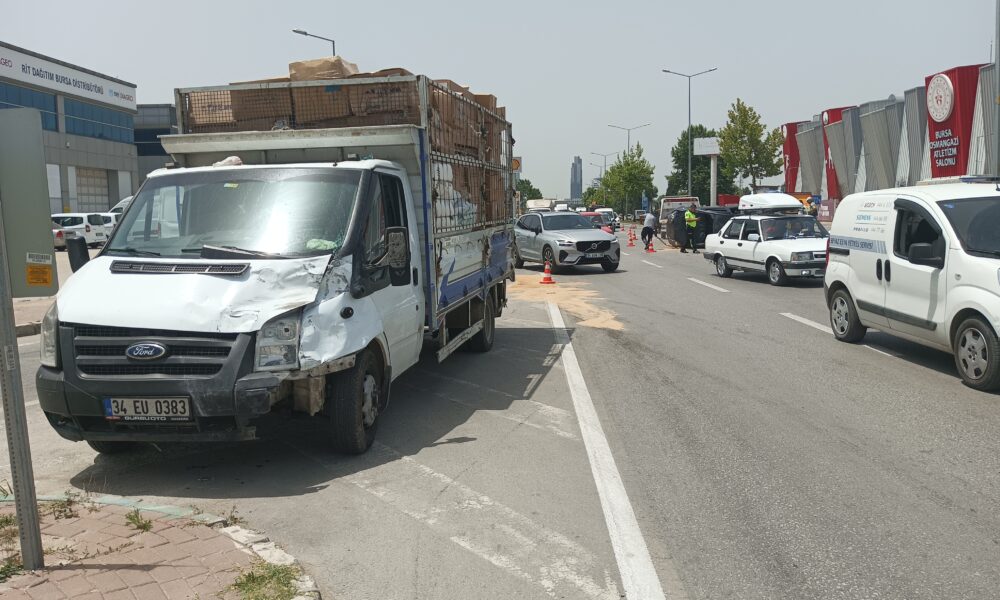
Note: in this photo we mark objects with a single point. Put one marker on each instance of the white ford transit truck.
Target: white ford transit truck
(298, 252)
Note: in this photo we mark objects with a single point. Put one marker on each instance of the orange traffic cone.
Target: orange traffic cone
(650, 249)
(548, 274)
(631, 242)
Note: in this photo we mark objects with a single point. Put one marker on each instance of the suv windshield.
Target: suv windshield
(60, 221)
(789, 228)
(976, 221)
(279, 212)
(566, 221)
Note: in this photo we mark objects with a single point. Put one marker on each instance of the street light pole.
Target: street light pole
(690, 144)
(333, 44)
(605, 169)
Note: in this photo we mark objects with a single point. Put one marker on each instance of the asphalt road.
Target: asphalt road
(762, 458)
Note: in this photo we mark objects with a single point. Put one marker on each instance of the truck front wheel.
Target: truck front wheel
(354, 399)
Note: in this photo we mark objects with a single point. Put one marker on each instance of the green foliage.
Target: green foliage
(746, 144)
(528, 191)
(625, 182)
(593, 195)
(136, 521)
(267, 582)
(701, 169)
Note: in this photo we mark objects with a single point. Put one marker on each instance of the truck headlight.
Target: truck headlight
(278, 344)
(801, 256)
(566, 243)
(50, 338)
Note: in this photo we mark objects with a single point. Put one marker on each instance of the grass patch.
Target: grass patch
(10, 558)
(264, 581)
(233, 518)
(136, 521)
(62, 509)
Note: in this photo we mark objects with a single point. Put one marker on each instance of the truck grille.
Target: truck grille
(589, 246)
(100, 352)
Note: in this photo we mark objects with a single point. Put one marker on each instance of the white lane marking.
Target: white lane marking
(827, 329)
(805, 321)
(638, 574)
(627, 253)
(708, 285)
(653, 264)
(492, 531)
(26, 344)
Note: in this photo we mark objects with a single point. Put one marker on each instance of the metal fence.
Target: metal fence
(470, 142)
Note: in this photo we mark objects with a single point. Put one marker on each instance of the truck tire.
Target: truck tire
(977, 354)
(105, 447)
(844, 319)
(483, 341)
(354, 399)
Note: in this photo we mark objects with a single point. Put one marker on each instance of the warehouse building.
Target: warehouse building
(87, 121)
(939, 129)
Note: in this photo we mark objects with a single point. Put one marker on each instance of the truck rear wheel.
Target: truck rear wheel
(483, 341)
(105, 447)
(354, 399)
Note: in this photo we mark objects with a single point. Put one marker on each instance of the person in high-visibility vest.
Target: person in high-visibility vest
(691, 221)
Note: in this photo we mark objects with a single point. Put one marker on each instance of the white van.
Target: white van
(921, 263)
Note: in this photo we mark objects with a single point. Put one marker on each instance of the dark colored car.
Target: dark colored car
(711, 219)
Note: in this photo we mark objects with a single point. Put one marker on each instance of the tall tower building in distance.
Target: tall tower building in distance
(576, 179)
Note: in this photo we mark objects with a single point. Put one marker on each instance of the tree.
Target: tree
(746, 145)
(593, 195)
(627, 180)
(701, 169)
(528, 191)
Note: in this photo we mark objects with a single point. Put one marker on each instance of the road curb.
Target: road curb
(252, 541)
(26, 329)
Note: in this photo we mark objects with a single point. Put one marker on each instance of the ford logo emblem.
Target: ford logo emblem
(146, 351)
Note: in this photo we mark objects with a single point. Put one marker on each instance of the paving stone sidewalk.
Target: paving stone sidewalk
(93, 552)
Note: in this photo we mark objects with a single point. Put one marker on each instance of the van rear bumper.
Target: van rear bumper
(220, 412)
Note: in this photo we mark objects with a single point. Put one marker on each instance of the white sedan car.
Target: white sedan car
(782, 246)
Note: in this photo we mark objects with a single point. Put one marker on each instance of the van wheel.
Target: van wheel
(354, 400)
(844, 319)
(722, 267)
(776, 273)
(105, 447)
(483, 341)
(977, 354)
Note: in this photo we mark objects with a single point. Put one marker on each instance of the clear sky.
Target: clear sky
(564, 69)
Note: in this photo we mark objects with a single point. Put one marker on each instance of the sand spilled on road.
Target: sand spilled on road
(573, 298)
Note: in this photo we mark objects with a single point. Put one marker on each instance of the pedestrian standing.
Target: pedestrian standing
(648, 229)
(691, 221)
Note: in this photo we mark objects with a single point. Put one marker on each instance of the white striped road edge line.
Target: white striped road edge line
(638, 574)
(653, 264)
(708, 285)
(627, 253)
(826, 329)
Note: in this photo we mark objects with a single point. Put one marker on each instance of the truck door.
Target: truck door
(915, 293)
(401, 306)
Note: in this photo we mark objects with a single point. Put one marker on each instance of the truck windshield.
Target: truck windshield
(268, 211)
(789, 228)
(976, 221)
(566, 221)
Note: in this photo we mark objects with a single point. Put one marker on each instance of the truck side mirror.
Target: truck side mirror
(76, 249)
(398, 255)
(923, 254)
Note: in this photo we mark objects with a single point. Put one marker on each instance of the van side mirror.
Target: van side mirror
(753, 237)
(76, 249)
(398, 255)
(923, 254)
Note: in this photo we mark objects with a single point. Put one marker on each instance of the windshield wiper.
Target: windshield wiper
(134, 251)
(238, 251)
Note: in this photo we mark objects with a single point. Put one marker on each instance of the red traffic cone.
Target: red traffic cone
(631, 242)
(650, 249)
(548, 274)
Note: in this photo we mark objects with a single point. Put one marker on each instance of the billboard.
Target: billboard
(65, 80)
(951, 103)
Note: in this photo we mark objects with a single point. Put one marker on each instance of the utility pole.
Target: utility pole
(605, 170)
(690, 144)
(996, 96)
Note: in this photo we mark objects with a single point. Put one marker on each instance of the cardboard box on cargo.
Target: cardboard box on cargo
(265, 107)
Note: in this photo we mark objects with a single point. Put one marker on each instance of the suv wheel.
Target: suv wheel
(549, 257)
(518, 261)
(977, 354)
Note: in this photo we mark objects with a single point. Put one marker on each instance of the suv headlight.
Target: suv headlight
(566, 243)
(278, 344)
(801, 256)
(50, 338)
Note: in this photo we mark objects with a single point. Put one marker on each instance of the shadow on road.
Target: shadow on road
(427, 404)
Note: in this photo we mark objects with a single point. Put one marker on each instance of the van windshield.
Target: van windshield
(280, 213)
(976, 221)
